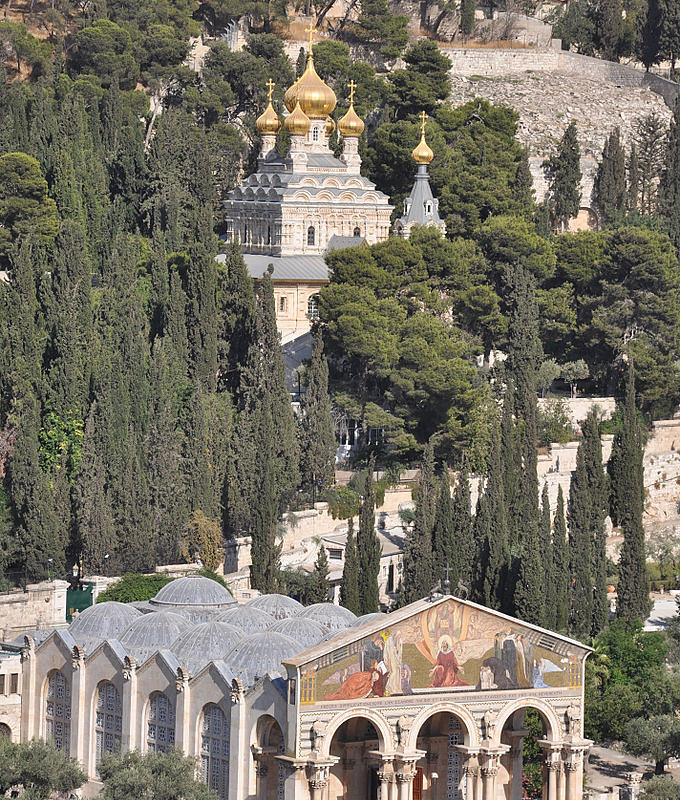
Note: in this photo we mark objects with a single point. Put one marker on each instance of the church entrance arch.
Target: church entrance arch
(532, 751)
(269, 772)
(439, 771)
(356, 773)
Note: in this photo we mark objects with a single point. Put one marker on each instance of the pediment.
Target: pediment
(442, 644)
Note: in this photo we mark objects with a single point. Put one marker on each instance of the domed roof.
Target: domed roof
(351, 124)
(268, 123)
(279, 606)
(246, 618)
(151, 632)
(422, 152)
(297, 122)
(305, 631)
(103, 621)
(332, 617)
(256, 655)
(368, 618)
(201, 644)
(315, 97)
(193, 590)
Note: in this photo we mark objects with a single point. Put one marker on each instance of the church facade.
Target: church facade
(296, 208)
(281, 702)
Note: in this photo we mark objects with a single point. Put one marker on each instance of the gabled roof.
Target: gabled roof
(341, 242)
(286, 268)
(352, 635)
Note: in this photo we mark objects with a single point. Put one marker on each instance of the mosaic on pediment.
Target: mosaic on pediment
(450, 647)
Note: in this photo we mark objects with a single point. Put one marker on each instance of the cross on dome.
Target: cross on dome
(270, 89)
(423, 117)
(352, 87)
(311, 30)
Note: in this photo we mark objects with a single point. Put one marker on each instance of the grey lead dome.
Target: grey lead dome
(305, 631)
(152, 632)
(102, 621)
(201, 644)
(332, 617)
(193, 590)
(278, 606)
(260, 653)
(247, 618)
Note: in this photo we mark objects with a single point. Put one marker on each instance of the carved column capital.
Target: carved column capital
(405, 777)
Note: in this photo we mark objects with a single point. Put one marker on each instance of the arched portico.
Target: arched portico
(268, 772)
(379, 722)
(356, 768)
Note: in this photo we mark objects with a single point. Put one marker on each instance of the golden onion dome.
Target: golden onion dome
(268, 123)
(297, 122)
(422, 154)
(316, 98)
(330, 126)
(351, 124)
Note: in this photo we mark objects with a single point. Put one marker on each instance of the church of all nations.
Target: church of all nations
(281, 702)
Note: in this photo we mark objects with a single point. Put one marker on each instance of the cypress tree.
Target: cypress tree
(201, 290)
(318, 436)
(610, 184)
(444, 551)
(546, 551)
(418, 571)
(463, 543)
(483, 588)
(523, 185)
(320, 582)
(580, 549)
(511, 462)
(467, 17)
(564, 177)
(598, 496)
(651, 153)
(368, 547)
(561, 565)
(669, 186)
(529, 594)
(627, 488)
(633, 190)
(349, 588)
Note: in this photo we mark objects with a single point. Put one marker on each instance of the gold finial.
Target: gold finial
(352, 87)
(422, 153)
(311, 31)
(423, 117)
(351, 125)
(270, 89)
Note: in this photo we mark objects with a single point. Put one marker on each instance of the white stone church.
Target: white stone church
(281, 702)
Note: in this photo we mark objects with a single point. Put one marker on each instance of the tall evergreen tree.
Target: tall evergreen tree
(598, 497)
(417, 574)
(467, 17)
(368, 547)
(561, 571)
(321, 585)
(610, 184)
(445, 553)
(627, 498)
(349, 587)
(580, 549)
(669, 186)
(463, 542)
(318, 436)
(650, 135)
(546, 550)
(564, 176)
(633, 183)
(511, 461)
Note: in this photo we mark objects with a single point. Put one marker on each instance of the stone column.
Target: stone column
(551, 768)
(79, 740)
(469, 767)
(517, 762)
(572, 755)
(31, 701)
(490, 761)
(317, 778)
(405, 772)
(182, 711)
(130, 722)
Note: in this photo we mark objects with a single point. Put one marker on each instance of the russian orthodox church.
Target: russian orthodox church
(277, 701)
(296, 208)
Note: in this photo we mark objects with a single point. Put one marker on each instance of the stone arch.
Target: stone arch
(214, 738)
(107, 715)
(266, 772)
(348, 197)
(550, 719)
(378, 721)
(466, 720)
(56, 710)
(159, 722)
(5, 731)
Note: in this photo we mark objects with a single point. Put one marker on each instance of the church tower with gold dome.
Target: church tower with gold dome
(421, 207)
(297, 207)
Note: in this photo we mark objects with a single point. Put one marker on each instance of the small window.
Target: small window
(2, 684)
(313, 307)
(14, 683)
(269, 234)
(315, 134)
(311, 235)
(357, 231)
(282, 303)
(428, 207)
(335, 554)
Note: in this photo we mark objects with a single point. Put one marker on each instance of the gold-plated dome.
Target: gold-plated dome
(351, 124)
(330, 126)
(268, 123)
(316, 98)
(422, 153)
(297, 122)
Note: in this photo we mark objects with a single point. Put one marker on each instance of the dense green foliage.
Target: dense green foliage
(39, 767)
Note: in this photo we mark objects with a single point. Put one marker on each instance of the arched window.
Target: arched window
(357, 231)
(315, 134)
(160, 732)
(313, 306)
(311, 235)
(58, 711)
(428, 207)
(215, 750)
(5, 730)
(108, 725)
(269, 234)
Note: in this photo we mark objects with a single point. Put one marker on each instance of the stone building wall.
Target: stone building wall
(42, 605)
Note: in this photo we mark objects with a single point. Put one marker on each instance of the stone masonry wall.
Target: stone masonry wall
(42, 605)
